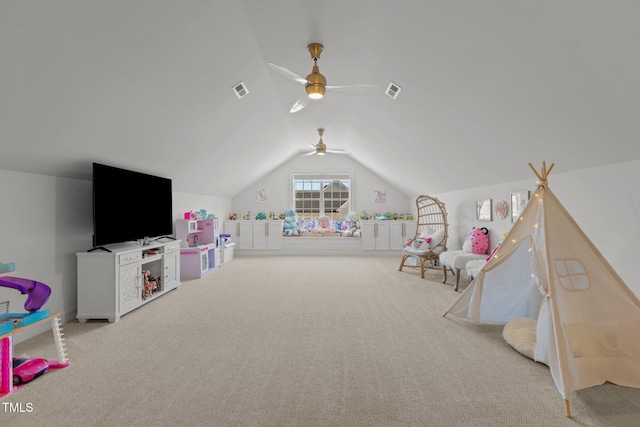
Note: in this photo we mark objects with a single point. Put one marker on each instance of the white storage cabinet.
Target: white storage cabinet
(267, 235)
(241, 233)
(400, 232)
(374, 235)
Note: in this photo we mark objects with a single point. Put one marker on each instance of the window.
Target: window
(322, 194)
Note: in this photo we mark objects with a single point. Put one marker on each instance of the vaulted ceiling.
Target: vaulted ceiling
(487, 86)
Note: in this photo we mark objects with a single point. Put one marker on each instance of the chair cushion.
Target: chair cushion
(458, 259)
(446, 258)
(417, 251)
(473, 267)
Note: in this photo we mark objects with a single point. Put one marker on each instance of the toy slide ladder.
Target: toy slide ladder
(58, 338)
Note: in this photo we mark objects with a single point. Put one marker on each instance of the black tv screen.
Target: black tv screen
(129, 205)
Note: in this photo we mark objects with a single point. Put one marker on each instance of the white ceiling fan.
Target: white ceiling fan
(320, 148)
(316, 84)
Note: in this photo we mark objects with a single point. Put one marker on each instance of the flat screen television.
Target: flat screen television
(129, 205)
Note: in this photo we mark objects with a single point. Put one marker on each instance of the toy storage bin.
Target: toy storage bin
(226, 254)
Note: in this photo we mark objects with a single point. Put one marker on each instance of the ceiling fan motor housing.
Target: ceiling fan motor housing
(317, 82)
(316, 86)
(321, 147)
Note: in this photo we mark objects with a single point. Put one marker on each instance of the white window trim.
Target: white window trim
(316, 174)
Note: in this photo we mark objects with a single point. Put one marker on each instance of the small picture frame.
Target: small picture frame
(483, 210)
(262, 196)
(518, 202)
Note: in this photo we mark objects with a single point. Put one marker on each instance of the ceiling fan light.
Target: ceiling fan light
(315, 91)
(317, 82)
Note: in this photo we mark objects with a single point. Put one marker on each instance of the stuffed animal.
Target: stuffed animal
(477, 241)
(308, 225)
(353, 225)
(291, 225)
(150, 284)
(324, 225)
(419, 243)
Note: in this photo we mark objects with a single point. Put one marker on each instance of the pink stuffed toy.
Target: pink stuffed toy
(324, 225)
(477, 241)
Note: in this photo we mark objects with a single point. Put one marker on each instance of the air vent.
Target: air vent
(393, 90)
(240, 90)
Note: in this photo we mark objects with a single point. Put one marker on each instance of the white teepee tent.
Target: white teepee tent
(588, 328)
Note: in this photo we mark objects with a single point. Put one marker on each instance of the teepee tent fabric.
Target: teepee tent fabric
(588, 329)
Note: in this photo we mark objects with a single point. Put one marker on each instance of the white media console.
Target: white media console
(111, 284)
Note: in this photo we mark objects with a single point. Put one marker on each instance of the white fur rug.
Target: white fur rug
(521, 335)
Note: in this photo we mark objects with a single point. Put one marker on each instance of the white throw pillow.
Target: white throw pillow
(437, 237)
(427, 232)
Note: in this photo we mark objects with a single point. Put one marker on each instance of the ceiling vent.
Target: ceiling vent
(240, 89)
(393, 90)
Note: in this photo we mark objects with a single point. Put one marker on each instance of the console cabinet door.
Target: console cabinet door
(130, 287)
(171, 270)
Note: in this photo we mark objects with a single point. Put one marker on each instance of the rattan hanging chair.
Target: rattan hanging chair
(432, 225)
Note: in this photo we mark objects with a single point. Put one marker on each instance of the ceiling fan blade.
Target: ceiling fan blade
(288, 74)
(299, 105)
(308, 154)
(312, 146)
(356, 89)
(337, 152)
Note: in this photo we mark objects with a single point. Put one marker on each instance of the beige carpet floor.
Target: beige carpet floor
(302, 341)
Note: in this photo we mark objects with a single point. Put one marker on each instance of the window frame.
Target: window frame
(325, 178)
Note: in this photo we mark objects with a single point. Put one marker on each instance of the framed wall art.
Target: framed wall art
(483, 210)
(502, 209)
(518, 202)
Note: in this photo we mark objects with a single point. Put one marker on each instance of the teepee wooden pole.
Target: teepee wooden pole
(535, 172)
(567, 409)
(550, 167)
(544, 172)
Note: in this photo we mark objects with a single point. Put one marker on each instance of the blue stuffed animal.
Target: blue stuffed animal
(291, 225)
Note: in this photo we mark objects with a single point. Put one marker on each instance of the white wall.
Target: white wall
(604, 201)
(45, 221)
(186, 202)
(278, 185)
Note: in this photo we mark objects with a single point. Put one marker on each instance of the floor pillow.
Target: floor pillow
(521, 335)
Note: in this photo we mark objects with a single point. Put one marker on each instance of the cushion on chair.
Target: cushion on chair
(437, 237)
(423, 250)
(459, 258)
(473, 267)
(427, 232)
(446, 258)
(417, 251)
